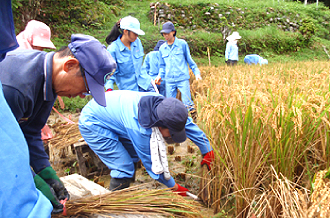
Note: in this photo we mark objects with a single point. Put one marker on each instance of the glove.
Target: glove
(198, 77)
(108, 90)
(49, 176)
(49, 193)
(158, 80)
(208, 159)
(181, 190)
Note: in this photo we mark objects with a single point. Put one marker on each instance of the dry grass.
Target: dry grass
(65, 135)
(160, 202)
(262, 116)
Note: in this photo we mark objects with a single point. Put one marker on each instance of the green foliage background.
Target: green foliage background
(200, 27)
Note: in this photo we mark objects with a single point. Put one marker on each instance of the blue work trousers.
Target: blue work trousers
(118, 155)
(184, 87)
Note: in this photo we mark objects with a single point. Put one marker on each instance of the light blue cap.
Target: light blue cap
(132, 24)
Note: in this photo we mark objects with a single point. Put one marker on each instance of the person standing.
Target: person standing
(19, 196)
(134, 126)
(174, 57)
(31, 81)
(151, 66)
(231, 53)
(126, 49)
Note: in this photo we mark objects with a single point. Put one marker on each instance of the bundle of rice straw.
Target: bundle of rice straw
(65, 135)
(161, 202)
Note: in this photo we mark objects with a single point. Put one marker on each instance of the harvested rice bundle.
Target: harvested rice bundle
(131, 201)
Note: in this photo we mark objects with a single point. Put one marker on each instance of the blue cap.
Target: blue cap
(159, 43)
(132, 24)
(168, 27)
(97, 62)
(173, 115)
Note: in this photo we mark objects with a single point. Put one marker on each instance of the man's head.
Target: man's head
(168, 31)
(173, 114)
(83, 68)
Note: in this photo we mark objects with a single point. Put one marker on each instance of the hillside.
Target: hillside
(277, 30)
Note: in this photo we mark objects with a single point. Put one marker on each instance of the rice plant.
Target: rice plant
(262, 116)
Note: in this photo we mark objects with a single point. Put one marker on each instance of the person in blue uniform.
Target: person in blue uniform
(255, 59)
(121, 134)
(151, 66)
(19, 196)
(231, 53)
(126, 49)
(32, 80)
(174, 57)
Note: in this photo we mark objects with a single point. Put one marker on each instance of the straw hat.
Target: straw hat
(234, 36)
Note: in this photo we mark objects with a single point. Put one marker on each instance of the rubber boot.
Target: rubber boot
(118, 184)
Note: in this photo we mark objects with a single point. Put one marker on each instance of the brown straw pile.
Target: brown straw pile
(160, 202)
(65, 135)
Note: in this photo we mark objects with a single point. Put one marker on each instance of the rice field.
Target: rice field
(269, 126)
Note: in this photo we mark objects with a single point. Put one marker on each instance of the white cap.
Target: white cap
(132, 24)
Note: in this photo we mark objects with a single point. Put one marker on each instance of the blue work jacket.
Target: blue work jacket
(151, 64)
(26, 76)
(128, 74)
(119, 121)
(231, 52)
(19, 196)
(7, 35)
(255, 59)
(173, 61)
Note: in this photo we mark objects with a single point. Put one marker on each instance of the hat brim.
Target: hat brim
(97, 90)
(43, 43)
(137, 31)
(166, 31)
(178, 137)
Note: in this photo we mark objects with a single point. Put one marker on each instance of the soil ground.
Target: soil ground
(184, 164)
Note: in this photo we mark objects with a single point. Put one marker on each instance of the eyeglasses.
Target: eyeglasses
(85, 82)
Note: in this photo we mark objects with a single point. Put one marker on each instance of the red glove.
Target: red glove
(108, 90)
(208, 159)
(181, 191)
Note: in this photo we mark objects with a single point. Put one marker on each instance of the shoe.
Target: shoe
(118, 184)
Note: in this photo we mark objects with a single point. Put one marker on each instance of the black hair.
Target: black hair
(114, 33)
(64, 51)
(173, 34)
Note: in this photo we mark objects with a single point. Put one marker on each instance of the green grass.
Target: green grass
(140, 10)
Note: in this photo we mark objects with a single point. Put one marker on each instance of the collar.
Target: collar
(49, 94)
(121, 45)
(174, 43)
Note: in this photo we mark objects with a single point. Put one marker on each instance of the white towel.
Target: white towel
(159, 162)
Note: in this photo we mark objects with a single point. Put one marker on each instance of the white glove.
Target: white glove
(198, 77)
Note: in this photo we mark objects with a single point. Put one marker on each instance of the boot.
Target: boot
(118, 184)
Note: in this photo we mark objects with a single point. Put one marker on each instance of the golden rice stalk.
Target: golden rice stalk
(65, 135)
(130, 201)
(283, 199)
